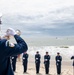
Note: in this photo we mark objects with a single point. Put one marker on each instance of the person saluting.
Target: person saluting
(7, 50)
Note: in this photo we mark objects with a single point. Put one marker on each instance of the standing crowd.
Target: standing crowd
(47, 57)
(58, 59)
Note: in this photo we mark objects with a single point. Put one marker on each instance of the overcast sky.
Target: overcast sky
(39, 17)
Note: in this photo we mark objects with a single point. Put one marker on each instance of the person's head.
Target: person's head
(46, 53)
(58, 53)
(37, 52)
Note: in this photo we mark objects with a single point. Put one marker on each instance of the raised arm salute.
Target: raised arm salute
(7, 50)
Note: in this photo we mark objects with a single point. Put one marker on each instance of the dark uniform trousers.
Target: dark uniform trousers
(37, 62)
(47, 63)
(73, 59)
(58, 64)
(6, 51)
(25, 62)
(37, 67)
(47, 68)
(73, 62)
(14, 59)
(25, 66)
(58, 68)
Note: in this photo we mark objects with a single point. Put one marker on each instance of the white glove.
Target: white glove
(10, 31)
(58, 60)
(18, 32)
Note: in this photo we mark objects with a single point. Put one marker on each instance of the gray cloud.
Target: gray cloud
(55, 23)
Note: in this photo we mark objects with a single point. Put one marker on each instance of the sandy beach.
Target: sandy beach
(67, 68)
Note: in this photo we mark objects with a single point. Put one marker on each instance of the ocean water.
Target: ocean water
(50, 41)
(47, 41)
(66, 53)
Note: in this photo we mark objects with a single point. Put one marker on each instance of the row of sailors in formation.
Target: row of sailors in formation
(58, 59)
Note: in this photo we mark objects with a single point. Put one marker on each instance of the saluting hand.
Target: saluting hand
(10, 31)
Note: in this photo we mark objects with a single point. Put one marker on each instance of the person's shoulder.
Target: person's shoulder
(39, 54)
(60, 56)
(56, 56)
(48, 55)
(35, 54)
(27, 54)
(72, 57)
(3, 41)
(44, 55)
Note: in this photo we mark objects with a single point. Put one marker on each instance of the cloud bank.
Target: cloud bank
(39, 17)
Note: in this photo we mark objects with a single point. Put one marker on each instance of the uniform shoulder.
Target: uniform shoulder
(3, 41)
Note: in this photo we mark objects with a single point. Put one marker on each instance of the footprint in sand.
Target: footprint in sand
(31, 69)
